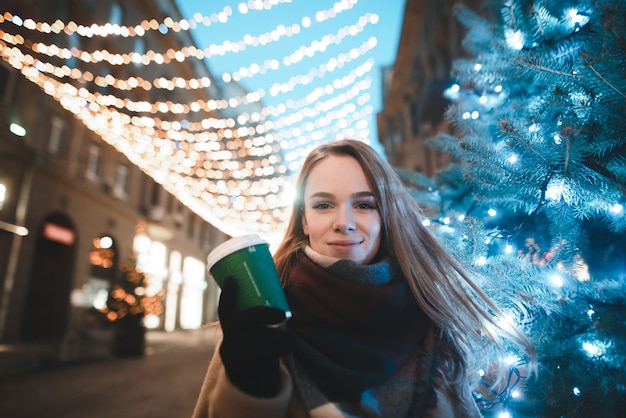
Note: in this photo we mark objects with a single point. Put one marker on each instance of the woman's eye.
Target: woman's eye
(321, 205)
(366, 205)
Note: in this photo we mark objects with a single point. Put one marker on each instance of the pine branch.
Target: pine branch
(606, 82)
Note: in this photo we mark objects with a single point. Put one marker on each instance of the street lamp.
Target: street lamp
(17, 129)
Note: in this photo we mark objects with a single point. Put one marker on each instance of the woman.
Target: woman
(384, 322)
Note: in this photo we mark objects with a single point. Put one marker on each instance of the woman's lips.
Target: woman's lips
(343, 245)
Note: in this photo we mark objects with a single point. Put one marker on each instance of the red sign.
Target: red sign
(58, 233)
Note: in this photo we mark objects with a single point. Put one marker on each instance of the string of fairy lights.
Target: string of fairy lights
(230, 159)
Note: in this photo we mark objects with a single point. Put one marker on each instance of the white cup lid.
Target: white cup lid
(232, 245)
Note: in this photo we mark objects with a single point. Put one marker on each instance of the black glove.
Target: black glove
(251, 347)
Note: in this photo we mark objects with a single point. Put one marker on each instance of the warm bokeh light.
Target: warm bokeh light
(234, 170)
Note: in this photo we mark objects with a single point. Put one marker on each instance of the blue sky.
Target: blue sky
(354, 15)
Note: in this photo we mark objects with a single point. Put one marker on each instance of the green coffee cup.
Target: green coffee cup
(248, 259)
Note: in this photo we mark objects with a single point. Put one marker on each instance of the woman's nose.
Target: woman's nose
(345, 221)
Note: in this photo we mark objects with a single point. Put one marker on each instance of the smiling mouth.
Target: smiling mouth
(347, 244)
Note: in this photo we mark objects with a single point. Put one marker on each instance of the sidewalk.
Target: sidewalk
(159, 341)
(165, 384)
(17, 359)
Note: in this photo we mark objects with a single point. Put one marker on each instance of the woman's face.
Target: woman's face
(341, 215)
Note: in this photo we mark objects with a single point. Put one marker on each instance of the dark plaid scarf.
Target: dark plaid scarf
(354, 326)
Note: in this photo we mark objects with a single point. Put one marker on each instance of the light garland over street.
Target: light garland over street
(234, 170)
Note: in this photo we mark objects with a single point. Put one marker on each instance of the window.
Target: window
(204, 235)
(170, 203)
(179, 215)
(152, 260)
(104, 89)
(154, 208)
(120, 187)
(56, 138)
(93, 162)
(140, 49)
(173, 287)
(115, 17)
(192, 294)
(155, 194)
(4, 82)
(73, 42)
(3, 195)
(191, 225)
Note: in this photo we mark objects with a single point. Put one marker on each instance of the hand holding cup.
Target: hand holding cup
(248, 260)
(252, 343)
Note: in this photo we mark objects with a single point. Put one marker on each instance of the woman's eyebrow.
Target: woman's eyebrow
(363, 194)
(326, 195)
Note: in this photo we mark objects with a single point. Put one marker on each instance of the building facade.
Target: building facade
(73, 208)
(414, 105)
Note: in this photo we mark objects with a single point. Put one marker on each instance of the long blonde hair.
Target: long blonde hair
(465, 315)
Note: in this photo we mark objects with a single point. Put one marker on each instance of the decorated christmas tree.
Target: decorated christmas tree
(536, 197)
(126, 308)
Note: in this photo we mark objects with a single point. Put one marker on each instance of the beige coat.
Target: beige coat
(219, 398)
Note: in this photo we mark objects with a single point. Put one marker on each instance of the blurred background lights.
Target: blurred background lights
(452, 92)
(204, 161)
(106, 242)
(510, 359)
(17, 129)
(555, 190)
(557, 280)
(514, 38)
(576, 18)
(591, 349)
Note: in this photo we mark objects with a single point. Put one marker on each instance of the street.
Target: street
(165, 383)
